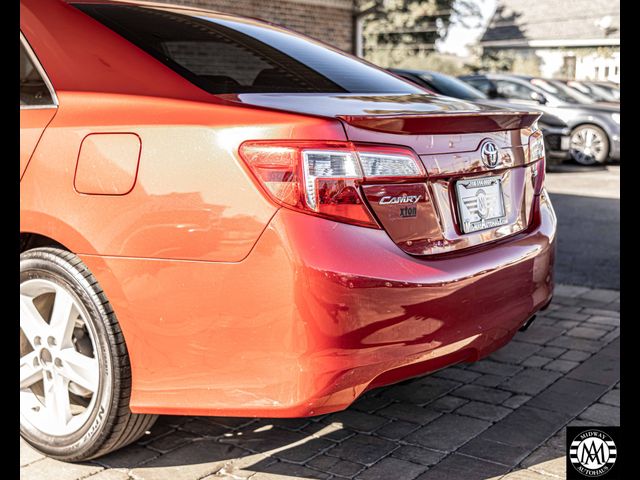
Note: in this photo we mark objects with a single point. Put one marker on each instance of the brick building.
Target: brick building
(328, 20)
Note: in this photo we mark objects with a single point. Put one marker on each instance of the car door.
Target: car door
(38, 103)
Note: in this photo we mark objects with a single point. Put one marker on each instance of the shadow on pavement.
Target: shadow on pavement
(576, 168)
(351, 444)
(588, 240)
(474, 421)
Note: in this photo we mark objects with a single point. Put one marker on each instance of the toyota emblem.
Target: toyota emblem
(489, 153)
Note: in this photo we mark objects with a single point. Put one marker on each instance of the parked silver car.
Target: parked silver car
(596, 91)
(556, 132)
(595, 128)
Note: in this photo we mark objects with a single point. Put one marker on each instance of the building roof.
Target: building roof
(553, 23)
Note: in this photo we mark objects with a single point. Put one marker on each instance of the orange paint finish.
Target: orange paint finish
(91, 58)
(216, 214)
(323, 323)
(32, 124)
(231, 304)
(107, 163)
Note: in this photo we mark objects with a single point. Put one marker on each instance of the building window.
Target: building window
(597, 70)
(569, 67)
(606, 72)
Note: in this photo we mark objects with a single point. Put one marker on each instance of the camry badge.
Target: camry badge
(401, 199)
(489, 154)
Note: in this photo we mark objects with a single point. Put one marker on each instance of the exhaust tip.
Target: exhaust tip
(527, 324)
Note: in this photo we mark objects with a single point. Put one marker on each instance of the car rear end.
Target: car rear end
(421, 238)
(422, 241)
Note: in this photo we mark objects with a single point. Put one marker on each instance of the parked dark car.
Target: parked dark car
(609, 87)
(595, 128)
(556, 131)
(596, 91)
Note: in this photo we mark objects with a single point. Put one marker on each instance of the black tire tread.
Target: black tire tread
(124, 426)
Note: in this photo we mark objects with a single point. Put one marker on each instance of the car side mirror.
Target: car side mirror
(538, 97)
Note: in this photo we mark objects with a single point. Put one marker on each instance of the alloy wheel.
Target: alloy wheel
(589, 145)
(59, 368)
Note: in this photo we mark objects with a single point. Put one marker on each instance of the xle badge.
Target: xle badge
(408, 212)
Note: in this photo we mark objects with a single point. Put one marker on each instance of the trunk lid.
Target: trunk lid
(450, 137)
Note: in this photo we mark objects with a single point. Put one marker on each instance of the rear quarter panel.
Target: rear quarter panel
(193, 198)
(32, 124)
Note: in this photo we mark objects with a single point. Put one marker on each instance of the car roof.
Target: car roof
(54, 26)
(142, 3)
(411, 71)
(174, 6)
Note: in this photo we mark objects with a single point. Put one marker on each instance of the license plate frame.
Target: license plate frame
(480, 202)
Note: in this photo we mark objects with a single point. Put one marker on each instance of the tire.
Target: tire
(84, 354)
(589, 145)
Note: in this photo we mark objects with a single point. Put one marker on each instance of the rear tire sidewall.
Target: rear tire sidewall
(605, 139)
(46, 264)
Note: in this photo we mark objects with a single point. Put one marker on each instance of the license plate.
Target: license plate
(480, 203)
(565, 143)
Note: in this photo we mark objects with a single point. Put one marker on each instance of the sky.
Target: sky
(459, 36)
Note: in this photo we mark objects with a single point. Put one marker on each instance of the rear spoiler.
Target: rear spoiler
(436, 123)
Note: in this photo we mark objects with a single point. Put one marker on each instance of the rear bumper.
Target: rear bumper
(557, 141)
(615, 147)
(318, 313)
(380, 316)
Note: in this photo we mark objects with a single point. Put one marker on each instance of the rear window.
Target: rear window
(453, 87)
(33, 89)
(479, 84)
(223, 54)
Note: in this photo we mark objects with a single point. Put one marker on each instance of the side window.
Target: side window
(508, 89)
(480, 84)
(33, 89)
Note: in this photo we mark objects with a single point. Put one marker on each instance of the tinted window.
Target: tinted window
(417, 80)
(609, 93)
(230, 55)
(33, 90)
(557, 90)
(480, 84)
(453, 87)
(508, 89)
(591, 92)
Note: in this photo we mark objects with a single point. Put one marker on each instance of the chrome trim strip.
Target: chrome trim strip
(42, 73)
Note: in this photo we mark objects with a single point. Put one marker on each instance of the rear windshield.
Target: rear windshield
(453, 87)
(223, 54)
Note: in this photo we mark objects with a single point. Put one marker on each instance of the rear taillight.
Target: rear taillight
(323, 178)
(538, 161)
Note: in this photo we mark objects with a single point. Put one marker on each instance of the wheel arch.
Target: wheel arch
(29, 241)
(51, 232)
(39, 229)
(590, 123)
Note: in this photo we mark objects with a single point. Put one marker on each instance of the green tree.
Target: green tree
(399, 29)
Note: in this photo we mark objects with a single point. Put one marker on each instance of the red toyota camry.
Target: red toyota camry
(222, 217)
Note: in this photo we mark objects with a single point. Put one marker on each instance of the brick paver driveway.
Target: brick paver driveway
(502, 416)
